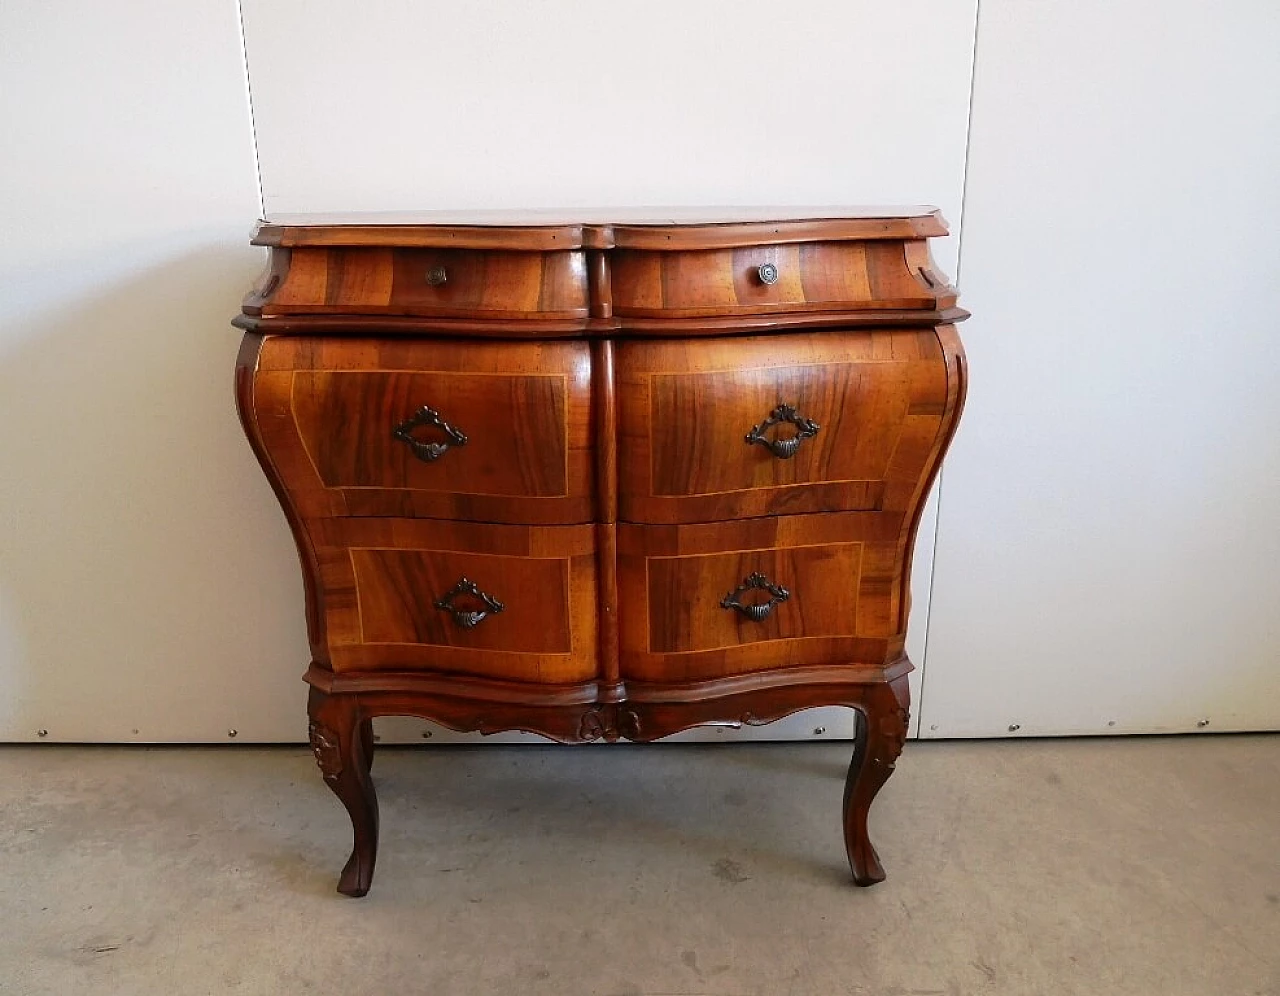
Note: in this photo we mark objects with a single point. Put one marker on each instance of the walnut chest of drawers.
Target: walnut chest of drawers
(603, 476)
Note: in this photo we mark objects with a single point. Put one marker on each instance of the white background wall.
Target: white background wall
(1110, 534)
(147, 591)
(1109, 514)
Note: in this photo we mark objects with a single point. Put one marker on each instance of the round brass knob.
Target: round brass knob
(768, 273)
(437, 275)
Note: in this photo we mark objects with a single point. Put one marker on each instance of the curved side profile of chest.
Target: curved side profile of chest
(496, 485)
(603, 479)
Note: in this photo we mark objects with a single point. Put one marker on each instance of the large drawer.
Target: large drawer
(729, 428)
(466, 430)
(698, 602)
(509, 602)
(429, 282)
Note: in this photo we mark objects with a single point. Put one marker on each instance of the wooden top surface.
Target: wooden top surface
(602, 228)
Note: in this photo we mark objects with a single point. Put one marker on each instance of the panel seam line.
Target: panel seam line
(253, 125)
(960, 227)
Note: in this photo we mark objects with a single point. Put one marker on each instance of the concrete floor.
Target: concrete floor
(1102, 867)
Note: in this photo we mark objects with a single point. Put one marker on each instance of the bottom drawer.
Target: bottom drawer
(510, 602)
(706, 601)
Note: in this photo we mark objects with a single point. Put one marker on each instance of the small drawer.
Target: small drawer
(479, 430)
(736, 427)
(698, 602)
(510, 602)
(440, 283)
(753, 280)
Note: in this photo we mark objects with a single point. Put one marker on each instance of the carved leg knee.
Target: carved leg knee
(338, 740)
(882, 731)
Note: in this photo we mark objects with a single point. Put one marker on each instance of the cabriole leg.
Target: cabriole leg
(338, 739)
(882, 731)
(366, 743)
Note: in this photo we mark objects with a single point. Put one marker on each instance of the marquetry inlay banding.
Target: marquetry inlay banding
(603, 475)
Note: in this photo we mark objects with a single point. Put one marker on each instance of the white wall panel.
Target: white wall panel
(1110, 516)
(148, 587)
(394, 104)
(401, 104)
(1110, 522)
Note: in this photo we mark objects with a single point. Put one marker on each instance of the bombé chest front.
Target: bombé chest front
(602, 476)
(452, 413)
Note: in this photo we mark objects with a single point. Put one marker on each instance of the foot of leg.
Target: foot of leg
(338, 741)
(882, 730)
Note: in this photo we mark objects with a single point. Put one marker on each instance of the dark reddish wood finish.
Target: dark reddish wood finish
(842, 573)
(343, 746)
(606, 455)
(379, 580)
(250, 419)
(581, 564)
(880, 399)
(474, 283)
(342, 707)
(329, 406)
(660, 275)
(535, 328)
(811, 276)
(641, 228)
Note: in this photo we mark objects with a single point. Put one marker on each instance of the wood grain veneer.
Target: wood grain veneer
(811, 276)
(602, 475)
(444, 283)
(380, 580)
(555, 280)
(879, 399)
(332, 405)
(602, 228)
(845, 574)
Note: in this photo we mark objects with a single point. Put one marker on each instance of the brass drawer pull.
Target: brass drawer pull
(422, 449)
(767, 273)
(437, 276)
(783, 449)
(757, 612)
(463, 617)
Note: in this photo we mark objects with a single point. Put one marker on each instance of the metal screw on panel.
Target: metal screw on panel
(819, 731)
(1014, 727)
(377, 738)
(42, 733)
(232, 733)
(934, 726)
(135, 732)
(1202, 723)
(426, 734)
(1111, 723)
